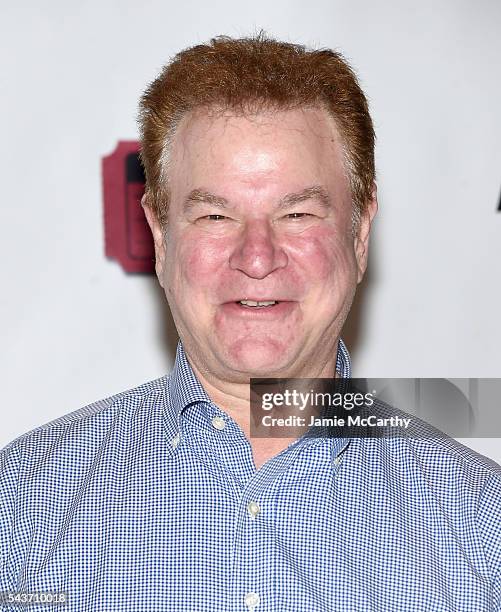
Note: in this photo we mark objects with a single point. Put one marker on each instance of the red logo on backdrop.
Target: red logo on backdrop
(126, 232)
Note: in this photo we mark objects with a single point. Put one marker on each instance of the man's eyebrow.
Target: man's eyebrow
(317, 192)
(199, 196)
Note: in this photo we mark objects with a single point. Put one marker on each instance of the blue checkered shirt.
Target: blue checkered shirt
(150, 501)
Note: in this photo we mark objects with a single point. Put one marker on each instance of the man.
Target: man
(260, 197)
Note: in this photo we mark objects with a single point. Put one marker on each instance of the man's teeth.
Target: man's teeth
(257, 304)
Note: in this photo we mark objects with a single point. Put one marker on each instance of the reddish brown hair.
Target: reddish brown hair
(245, 75)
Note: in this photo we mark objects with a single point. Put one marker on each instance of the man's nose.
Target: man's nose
(257, 252)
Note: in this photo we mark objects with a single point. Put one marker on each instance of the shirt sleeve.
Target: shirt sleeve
(489, 522)
(9, 478)
(496, 592)
(10, 462)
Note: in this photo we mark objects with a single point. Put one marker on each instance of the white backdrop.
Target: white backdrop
(75, 328)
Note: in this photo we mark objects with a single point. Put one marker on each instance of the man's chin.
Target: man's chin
(258, 359)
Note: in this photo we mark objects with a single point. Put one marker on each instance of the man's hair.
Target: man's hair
(247, 75)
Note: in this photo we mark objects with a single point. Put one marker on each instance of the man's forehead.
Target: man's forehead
(216, 152)
(201, 121)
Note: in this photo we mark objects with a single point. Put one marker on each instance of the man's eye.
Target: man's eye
(214, 217)
(298, 215)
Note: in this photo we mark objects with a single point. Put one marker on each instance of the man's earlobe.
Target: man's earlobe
(158, 236)
(362, 237)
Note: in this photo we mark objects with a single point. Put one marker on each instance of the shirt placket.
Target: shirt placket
(253, 579)
(223, 444)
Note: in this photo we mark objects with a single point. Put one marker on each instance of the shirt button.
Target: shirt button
(253, 509)
(175, 440)
(218, 423)
(252, 601)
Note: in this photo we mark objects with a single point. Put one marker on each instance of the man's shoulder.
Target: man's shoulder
(454, 474)
(89, 423)
(444, 459)
(434, 453)
(437, 449)
(44, 471)
(467, 487)
(441, 478)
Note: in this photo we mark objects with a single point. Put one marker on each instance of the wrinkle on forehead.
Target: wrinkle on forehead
(203, 120)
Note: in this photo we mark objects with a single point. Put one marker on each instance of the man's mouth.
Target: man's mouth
(259, 310)
(260, 304)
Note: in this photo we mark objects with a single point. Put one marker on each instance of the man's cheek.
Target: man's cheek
(202, 262)
(326, 257)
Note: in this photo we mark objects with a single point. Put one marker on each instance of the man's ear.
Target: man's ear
(158, 236)
(362, 236)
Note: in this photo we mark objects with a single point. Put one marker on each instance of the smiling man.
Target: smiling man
(259, 158)
(258, 254)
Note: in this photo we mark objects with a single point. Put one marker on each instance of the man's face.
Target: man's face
(259, 263)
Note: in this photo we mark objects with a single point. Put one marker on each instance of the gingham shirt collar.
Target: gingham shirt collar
(185, 390)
